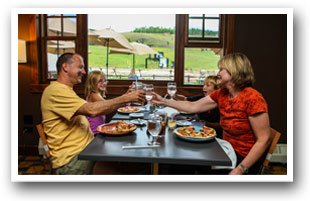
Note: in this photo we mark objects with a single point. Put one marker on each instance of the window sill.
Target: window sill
(117, 90)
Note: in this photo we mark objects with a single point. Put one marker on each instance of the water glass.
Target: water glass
(171, 89)
(154, 128)
(172, 122)
(148, 88)
(164, 118)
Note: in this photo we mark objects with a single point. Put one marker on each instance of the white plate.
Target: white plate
(183, 123)
(141, 109)
(136, 115)
(137, 122)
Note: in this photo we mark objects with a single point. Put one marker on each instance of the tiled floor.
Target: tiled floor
(37, 165)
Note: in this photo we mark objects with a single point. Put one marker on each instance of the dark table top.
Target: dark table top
(172, 150)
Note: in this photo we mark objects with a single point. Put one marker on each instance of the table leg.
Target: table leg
(154, 168)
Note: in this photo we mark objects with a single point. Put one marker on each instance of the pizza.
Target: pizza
(119, 127)
(128, 109)
(123, 126)
(190, 132)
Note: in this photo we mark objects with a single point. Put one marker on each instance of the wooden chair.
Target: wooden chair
(45, 146)
(276, 136)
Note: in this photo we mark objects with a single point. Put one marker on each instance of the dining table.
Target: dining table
(172, 148)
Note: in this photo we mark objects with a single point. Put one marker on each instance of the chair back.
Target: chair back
(275, 138)
(45, 145)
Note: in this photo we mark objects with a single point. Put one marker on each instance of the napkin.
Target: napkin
(229, 150)
(170, 111)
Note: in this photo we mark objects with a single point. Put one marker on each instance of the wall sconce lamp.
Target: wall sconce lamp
(22, 53)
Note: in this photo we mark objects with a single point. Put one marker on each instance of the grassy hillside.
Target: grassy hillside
(195, 59)
(151, 39)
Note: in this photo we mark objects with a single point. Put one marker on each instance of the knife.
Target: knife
(140, 147)
(197, 128)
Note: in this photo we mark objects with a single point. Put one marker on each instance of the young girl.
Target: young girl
(95, 88)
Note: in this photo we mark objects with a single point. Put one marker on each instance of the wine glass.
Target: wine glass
(137, 85)
(154, 128)
(148, 88)
(171, 89)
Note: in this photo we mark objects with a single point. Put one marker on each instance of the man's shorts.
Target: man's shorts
(76, 167)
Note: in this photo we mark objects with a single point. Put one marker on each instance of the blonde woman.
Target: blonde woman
(244, 112)
(95, 88)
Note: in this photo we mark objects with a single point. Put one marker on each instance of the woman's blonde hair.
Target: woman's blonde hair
(240, 69)
(92, 82)
(214, 80)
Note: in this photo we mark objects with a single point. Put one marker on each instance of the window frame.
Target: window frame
(226, 42)
(201, 41)
(42, 38)
(118, 87)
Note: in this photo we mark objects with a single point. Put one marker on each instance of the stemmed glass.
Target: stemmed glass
(171, 89)
(136, 86)
(154, 128)
(148, 88)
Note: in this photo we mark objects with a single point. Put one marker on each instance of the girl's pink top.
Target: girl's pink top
(94, 122)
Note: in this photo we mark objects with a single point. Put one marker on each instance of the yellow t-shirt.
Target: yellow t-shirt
(67, 135)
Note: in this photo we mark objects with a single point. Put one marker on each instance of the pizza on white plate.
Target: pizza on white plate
(119, 127)
(128, 109)
(190, 132)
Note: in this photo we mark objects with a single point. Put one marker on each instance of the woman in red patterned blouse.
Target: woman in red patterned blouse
(244, 111)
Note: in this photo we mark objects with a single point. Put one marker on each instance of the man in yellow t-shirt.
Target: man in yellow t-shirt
(63, 113)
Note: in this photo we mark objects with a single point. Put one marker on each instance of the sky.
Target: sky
(128, 22)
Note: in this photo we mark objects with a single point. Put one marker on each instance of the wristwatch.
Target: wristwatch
(245, 170)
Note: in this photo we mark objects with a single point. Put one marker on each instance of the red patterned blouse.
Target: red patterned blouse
(235, 114)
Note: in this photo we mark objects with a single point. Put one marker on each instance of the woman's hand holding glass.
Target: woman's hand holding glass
(157, 99)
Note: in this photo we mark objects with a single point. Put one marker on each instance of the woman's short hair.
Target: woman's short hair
(240, 69)
(213, 79)
(92, 83)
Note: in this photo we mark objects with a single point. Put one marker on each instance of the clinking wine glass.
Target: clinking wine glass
(171, 89)
(154, 128)
(136, 86)
(148, 89)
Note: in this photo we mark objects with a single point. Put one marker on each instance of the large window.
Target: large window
(132, 46)
(58, 35)
(183, 48)
(203, 46)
